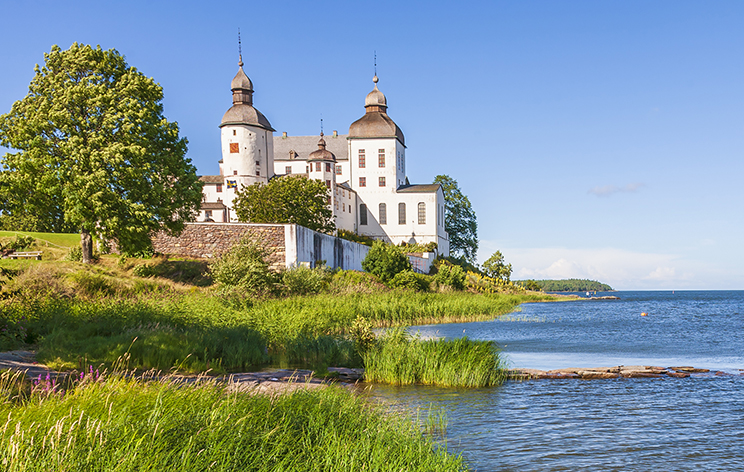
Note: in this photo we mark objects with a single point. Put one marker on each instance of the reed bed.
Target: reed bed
(197, 332)
(121, 423)
(399, 359)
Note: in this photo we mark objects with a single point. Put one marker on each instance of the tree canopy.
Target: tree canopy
(495, 267)
(92, 152)
(459, 219)
(568, 285)
(289, 199)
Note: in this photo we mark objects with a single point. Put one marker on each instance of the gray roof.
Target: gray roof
(213, 206)
(212, 179)
(304, 145)
(419, 188)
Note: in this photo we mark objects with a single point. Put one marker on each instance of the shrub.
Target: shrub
(357, 238)
(352, 281)
(385, 261)
(412, 280)
(76, 255)
(303, 280)
(244, 267)
(452, 276)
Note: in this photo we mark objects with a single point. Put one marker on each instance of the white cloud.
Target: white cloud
(622, 269)
(608, 190)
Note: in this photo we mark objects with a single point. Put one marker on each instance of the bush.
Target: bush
(352, 281)
(303, 280)
(385, 261)
(452, 276)
(244, 267)
(76, 255)
(412, 280)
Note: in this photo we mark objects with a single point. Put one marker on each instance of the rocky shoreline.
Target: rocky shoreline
(621, 371)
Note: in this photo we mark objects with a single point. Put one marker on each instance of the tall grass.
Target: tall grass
(125, 424)
(399, 359)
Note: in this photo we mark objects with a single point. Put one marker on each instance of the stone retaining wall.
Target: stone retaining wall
(209, 240)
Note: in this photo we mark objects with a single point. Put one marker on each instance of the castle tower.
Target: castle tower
(247, 140)
(321, 165)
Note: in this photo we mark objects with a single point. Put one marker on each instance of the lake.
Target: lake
(695, 423)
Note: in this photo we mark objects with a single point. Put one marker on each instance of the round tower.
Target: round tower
(322, 166)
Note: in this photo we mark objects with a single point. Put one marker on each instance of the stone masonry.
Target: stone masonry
(209, 240)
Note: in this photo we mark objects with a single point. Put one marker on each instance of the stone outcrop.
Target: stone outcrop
(622, 371)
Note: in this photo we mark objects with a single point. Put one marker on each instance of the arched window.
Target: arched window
(422, 213)
(363, 214)
(401, 213)
(383, 214)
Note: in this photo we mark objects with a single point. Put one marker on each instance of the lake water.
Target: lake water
(695, 423)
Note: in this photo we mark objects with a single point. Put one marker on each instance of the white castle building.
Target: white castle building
(365, 170)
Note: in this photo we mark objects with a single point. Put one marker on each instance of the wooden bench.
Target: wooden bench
(26, 255)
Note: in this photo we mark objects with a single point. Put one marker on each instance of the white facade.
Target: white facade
(365, 171)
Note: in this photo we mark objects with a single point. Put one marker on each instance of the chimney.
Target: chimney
(335, 133)
(284, 134)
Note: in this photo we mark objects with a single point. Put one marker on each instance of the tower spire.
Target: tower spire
(240, 51)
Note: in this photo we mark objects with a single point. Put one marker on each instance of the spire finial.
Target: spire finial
(375, 79)
(240, 50)
(321, 125)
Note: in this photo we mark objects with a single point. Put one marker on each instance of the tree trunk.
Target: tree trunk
(86, 241)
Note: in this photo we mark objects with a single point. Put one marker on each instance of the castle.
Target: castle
(364, 170)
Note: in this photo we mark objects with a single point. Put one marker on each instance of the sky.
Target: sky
(599, 140)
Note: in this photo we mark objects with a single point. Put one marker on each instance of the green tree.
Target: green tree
(385, 261)
(93, 152)
(289, 199)
(459, 219)
(497, 268)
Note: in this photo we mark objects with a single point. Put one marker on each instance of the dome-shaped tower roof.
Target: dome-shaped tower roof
(321, 154)
(376, 123)
(243, 112)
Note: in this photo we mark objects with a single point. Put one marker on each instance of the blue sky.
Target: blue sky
(594, 139)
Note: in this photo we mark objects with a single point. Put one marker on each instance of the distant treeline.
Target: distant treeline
(567, 285)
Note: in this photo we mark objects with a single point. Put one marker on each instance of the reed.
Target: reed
(126, 424)
(399, 359)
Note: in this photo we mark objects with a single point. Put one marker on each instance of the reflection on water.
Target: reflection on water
(619, 424)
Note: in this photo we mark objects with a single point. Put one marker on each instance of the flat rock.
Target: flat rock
(593, 374)
(691, 370)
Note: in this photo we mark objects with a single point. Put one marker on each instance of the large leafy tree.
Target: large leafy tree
(94, 153)
(497, 267)
(459, 219)
(289, 199)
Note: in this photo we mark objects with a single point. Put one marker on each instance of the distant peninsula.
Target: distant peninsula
(565, 285)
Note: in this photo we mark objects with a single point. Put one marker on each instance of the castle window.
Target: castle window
(258, 163)
(328, 183)
(234, 132)
(234, 147)
(258, 173)
(383, 214)
(381, 158)
(401, 213)
(422, 213)
(382, 181)
(235, 172)
(362, 181)
(207, 213)
(328, 166)
(219, 188)
(363, 214)
(349, 208)
(288, 169)
(362, 159)
(343, 207)
(338, 169)
(317, 166)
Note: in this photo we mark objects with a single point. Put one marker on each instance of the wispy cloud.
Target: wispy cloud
(608, 190)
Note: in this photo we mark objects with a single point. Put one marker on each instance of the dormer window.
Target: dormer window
(234, 148)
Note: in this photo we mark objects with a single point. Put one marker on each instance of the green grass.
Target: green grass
(399, 359)
(65, 240)
(120, 424)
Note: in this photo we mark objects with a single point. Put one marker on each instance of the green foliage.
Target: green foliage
(118, 423)
(289, 199)
(385, 261)
(488, 285)
(416, 248)
(451, 275)
(188, 272)
(466, 265)
(411, 280)
(459, 219)
(496, 268)
(245, 269)
(75, 254)
(529, 284)
(93, 152)
(18, 244)
(61, 240)
(569, 285)
(357, 238)
(352, 281)
(362, 335)
(398, 359)
(303, 280)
